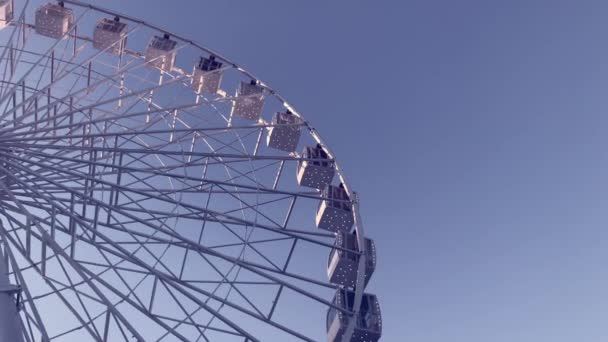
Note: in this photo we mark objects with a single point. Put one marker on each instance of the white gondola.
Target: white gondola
(207, 75)
(284, 134)
(54, 21)
(315, 170)
(335, 211)
(343, 263)
(110, 35)
(6, 13)
(249, 101)
(161, 52)
(368, 323)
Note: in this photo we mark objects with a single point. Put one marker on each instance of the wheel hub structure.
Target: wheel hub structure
(153, 190)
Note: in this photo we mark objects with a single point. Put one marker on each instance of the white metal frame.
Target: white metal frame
(99, 158)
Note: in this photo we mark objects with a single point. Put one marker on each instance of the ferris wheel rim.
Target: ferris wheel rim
(313, 132)
(244, 71)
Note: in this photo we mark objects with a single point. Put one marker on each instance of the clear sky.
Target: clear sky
(475, 133)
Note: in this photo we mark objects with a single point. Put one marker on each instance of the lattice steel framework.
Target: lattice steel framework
(141, 197)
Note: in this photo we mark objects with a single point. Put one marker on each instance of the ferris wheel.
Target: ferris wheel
(153, 190)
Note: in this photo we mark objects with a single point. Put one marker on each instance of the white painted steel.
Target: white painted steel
(10, 323)
(135, 202)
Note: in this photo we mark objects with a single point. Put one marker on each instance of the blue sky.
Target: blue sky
(474, 131)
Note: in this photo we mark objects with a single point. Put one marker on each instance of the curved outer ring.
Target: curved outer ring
(360, 285)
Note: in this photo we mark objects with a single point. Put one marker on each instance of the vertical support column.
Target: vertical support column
(10, 322)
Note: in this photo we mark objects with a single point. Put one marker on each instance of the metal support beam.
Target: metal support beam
(11, 328)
